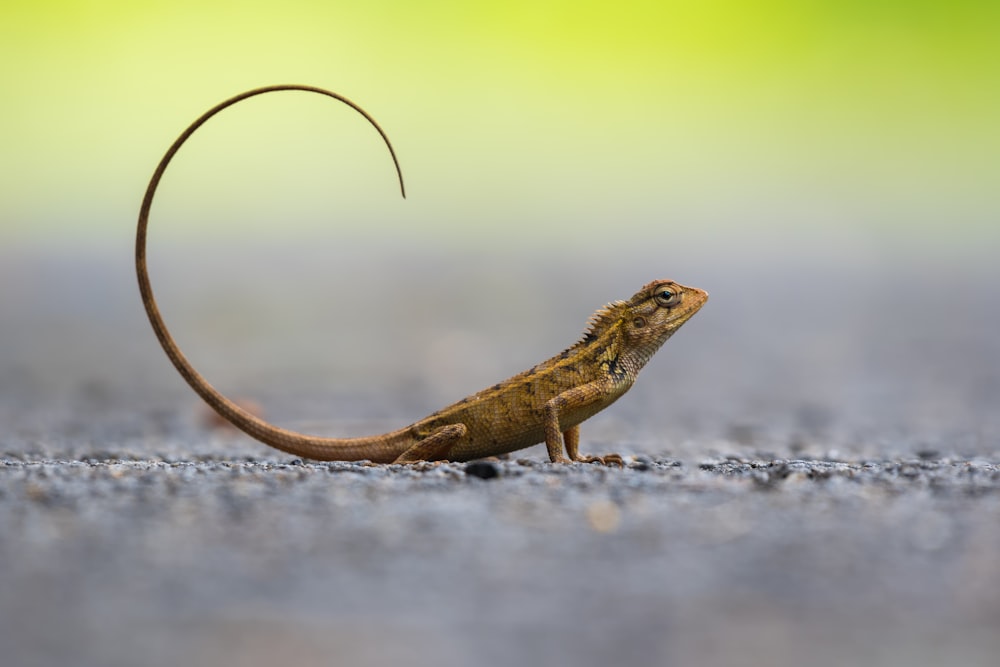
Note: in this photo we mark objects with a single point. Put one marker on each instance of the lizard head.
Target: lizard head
(654, 314)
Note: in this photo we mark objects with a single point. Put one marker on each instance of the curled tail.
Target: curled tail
(377, 448)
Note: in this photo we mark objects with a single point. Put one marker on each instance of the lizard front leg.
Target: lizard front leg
(555, 437)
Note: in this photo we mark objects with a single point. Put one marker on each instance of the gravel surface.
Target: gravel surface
(816, 482)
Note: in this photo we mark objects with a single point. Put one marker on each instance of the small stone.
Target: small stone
(641, 462)
(482, 469)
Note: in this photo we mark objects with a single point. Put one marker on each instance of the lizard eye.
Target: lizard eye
(667, 296)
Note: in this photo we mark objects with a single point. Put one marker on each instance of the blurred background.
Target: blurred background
(828, 171)
(727, 119)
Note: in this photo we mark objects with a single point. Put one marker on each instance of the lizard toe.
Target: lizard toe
(607, 460)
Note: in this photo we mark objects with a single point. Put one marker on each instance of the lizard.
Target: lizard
(545, 403)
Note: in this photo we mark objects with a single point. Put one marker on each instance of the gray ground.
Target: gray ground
(813, 478)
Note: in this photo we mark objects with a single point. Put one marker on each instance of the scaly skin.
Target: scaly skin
(545, 403)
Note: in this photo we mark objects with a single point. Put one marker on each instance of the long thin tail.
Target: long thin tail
(376, 448)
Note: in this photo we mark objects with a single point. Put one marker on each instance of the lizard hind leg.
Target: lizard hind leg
(435, 447)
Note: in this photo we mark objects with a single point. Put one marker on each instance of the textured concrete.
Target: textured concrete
(813, 478)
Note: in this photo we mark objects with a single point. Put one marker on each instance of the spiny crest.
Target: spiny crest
(601, 321)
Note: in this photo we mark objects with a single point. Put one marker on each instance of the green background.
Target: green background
(519, 121)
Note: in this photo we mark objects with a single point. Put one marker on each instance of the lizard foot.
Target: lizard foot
(607, 460)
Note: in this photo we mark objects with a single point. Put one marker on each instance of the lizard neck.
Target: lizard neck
(634, 357)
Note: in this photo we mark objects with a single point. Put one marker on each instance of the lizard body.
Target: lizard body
(545, 403)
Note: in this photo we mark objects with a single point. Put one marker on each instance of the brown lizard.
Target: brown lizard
(545, 403)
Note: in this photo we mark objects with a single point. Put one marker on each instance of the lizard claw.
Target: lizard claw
(614, 459)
